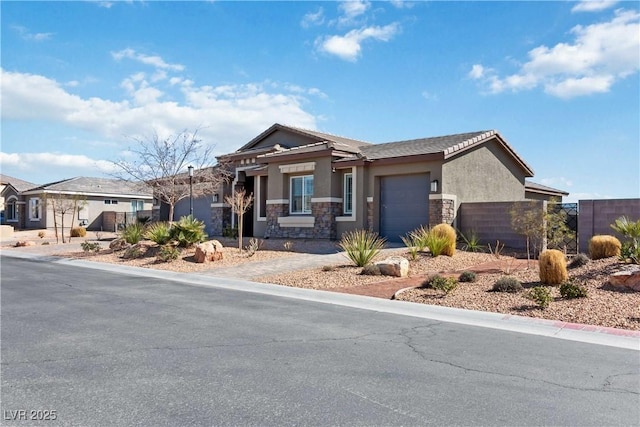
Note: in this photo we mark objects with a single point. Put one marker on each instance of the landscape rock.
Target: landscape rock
(118, 244)
(208, 251)
(22, 243)
(394, 266)
(136, 251)
(628, 279)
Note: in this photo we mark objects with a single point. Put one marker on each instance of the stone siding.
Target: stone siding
(441, 210)
(325, 214)
(325, 226)
(220, 219)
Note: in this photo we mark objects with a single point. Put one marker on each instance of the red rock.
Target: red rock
(628, 279)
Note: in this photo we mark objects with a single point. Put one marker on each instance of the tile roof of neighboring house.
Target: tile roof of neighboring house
(539, 188)
(347, 143)
(16, 183)
(88, 185)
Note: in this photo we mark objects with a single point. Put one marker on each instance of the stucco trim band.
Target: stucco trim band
(298, 167)
(296, 221)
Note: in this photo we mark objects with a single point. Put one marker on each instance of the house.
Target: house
(309, 184)
(10, 206)
(101, 202)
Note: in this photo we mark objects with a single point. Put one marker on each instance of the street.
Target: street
(98, 348)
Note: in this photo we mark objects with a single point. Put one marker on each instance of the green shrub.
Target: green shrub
(188, 231)
(449, 233)
(437, 244)
(553, 267)
(231, 233)
(443, 284)
(572, 290)
(361, 246)
(132, 233)
(168, 253)
(507, 284)
(412, 244)
(540, 295)
(471, 243)
(630, 253)
(467, 276)
(90, 246)
(78, 232)
(604, 246)
(371, 270)
(579, 260)
(158, 232)
(630, 230)
(419, 237)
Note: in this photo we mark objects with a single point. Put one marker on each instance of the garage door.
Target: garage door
(404, 204)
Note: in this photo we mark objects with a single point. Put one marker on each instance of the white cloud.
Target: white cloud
(32, 161)
(313, 18)
(600, 55)
(593, 5)
(29, 36)
(351, 9)
(229, 115)
(154, 61)
(402, 4)
(349, 46)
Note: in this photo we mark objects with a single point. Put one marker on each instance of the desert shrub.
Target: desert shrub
(132, 233)
(90, 246)
(41, 234)
(288, 245)
(419, 237)
(467, 276)
(437, 244)
(507, 284)
(443, 284)
(158, 232)
(630, 230)
(553, 267)
(572, 290)
(449, 233)
(604, 246)
(630, 253)
(579, 260)
(168, 253)
(471, 242)
(412, 244)
(328, 268)
(361, 246)
(540, 295)
(133, 252)
(254, 246)
(371, 270)
(188, 231)
(78, 232)
(230, 232)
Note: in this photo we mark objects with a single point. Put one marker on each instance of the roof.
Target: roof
(93, 186)
(16, 183)
(346, 143)
(543, 189)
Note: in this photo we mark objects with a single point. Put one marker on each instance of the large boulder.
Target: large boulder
(118, 244)
(627, 279)
(208, 251)
(394, 266)
(22, 243)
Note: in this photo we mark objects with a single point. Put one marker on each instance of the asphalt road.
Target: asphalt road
(100, 348)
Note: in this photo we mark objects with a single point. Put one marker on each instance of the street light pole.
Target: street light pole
(190, 190)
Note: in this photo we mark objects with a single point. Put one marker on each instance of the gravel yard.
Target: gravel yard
(604, 306)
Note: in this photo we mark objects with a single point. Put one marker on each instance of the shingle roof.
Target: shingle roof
(86, 185)
(539, 188)
(16, 183)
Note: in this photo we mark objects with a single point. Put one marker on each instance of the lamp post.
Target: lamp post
(190, 190)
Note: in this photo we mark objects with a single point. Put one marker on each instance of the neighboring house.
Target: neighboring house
(309, 184)
(11, 206)
(97, 197)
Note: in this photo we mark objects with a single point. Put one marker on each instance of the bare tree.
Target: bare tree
(63, 206)
(161, 164)
(240, 204)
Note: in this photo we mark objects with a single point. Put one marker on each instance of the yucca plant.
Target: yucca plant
(437, 244)
(412, 245)
(188, 231)
(132, 233)
(158, 232)
(420, 237)
(361, 246)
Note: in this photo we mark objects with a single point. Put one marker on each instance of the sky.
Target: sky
(81, 80)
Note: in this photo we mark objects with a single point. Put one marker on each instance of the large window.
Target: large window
(301, 193)
(137, 205)
(11, 210)
(348, 193)
(35, 210)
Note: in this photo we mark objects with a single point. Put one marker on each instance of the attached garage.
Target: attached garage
(404, 204)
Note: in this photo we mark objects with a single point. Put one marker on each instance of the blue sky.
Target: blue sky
(558, 80)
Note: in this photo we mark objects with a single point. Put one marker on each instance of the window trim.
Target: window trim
(291, 204)
(13, 202)
(347, 197)
(38, 205)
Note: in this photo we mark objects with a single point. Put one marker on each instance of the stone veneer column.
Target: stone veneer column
(442, 208)
(275, 211)
(325, 214)
(220, 218)
(369, 224)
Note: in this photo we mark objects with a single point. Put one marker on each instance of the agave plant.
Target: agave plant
(188, 231)
(361, 246)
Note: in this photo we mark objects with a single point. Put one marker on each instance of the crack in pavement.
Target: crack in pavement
(409, 342)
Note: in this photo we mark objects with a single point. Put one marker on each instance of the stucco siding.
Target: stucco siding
(483, 174)
(285, 139)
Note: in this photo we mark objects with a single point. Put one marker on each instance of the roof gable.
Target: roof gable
(88, 185)
(17, 184)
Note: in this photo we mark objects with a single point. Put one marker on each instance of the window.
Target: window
(11, 210)
(262, 199)
(348, 193)
(137, 205)
(35, 211)
(110, 202)
(301, 193)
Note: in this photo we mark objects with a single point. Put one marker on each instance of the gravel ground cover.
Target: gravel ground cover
(604, 306)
